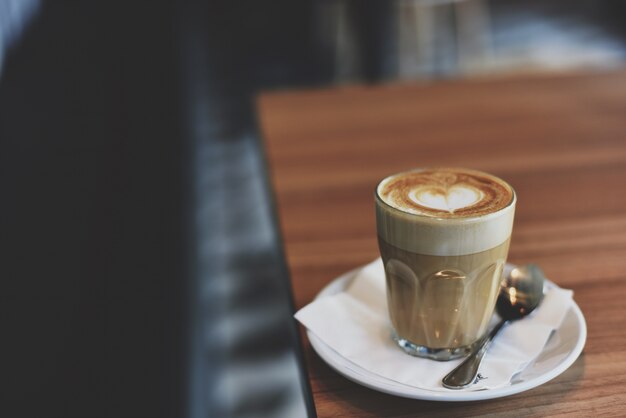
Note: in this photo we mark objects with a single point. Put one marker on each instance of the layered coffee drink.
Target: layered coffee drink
(444, 236)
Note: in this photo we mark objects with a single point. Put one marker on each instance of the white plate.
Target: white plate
(561, 350)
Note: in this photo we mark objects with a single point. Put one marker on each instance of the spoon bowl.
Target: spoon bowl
(521, 292)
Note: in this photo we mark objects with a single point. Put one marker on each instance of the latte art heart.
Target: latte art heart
(445, 192)
(450, 199)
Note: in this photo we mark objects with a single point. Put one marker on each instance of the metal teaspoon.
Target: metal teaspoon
(520, 293)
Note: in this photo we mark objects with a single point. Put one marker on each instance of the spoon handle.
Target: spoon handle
(465, 373)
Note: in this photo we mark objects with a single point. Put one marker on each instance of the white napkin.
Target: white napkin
(355, 323)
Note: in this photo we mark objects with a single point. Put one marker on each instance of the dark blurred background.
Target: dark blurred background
(141, 268)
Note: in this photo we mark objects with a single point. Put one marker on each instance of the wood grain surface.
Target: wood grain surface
(560, 140)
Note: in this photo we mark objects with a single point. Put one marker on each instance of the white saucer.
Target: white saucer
(560, 352)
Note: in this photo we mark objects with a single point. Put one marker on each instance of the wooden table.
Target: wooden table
(560, 140)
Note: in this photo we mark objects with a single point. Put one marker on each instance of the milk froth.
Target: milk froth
(445, 192)
(444, 211)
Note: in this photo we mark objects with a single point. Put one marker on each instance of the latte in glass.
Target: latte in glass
(443, 235)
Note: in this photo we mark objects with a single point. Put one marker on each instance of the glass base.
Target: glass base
(439, 354)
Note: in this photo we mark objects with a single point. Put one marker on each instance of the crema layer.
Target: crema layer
(445, 192)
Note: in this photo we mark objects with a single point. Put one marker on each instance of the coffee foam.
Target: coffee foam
(444, 211)
(445, 192)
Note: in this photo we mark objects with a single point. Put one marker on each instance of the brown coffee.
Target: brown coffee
(442, 302)
(443, 235)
